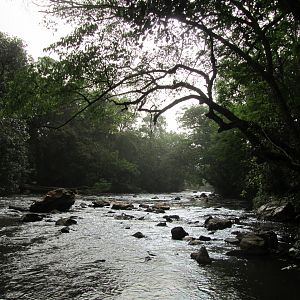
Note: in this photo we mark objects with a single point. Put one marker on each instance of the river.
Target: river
(100, 259)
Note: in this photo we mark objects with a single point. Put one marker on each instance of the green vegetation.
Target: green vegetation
(239, 59)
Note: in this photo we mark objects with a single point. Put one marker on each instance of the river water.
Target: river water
(100, 259)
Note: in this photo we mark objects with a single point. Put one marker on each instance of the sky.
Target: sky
(21, 18)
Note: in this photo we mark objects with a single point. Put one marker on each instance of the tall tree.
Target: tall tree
(161, 53)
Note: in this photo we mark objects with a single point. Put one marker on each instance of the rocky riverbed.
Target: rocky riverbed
(121, 247)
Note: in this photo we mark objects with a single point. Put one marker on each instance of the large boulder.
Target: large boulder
(275, 211)
(217, 223)
(253, 244)
(59, 200)
(202, 256)
(178, 233)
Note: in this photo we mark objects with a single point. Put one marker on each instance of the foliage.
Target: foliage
(13, 155)
(183, 48)
(222, 159)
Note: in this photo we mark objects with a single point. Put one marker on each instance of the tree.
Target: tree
(13, 132)
(178, 50)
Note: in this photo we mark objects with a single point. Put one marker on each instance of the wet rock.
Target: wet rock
(162, 206)
(159, 211)
(18, 208)
(65, 222)
(127, 227)
(233, 241)
(100, 203)
(138, 235)
(141, 218)
(168, 219)
(217, 223)
(65, 230)
(204, 238)
(188, 238)
(177, 198)
(202, 256)
(59, 199)
(124, 217)
(253, 244)
(155, 198)
(149, 209)
(294, 251)
(144, 205)
(162, 224)
(178, 233)
(195, 242)
(122, 205)
(203, 195)
(175, 217)
(32, 218)
(279, 212)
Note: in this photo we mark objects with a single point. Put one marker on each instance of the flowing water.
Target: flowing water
(100, 259)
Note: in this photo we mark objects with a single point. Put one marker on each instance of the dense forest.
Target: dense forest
(93, 119)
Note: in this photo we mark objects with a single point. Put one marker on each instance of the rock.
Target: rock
(253, 244)
(18, 208)
(138, 235)
(162, 206)
(124, 217)
(161, 224)
(195, 242)
(204, 238)
(65, 222)
(101, 203)
(168, 219)
(279, 212)
(159, 211)
(65, 230)
(144, 205)
(178, 233)
(155, 198)
(203, 195)
(127, 227)
(217, 223)
(32, 218)
(233, 241)
(59, 199)
(149, 209)
(188, 238)
(175, 217)
(177, 198)
(122, 205)
(294, 252)
(202, 256)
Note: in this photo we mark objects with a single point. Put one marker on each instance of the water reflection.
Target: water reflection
(100, 259)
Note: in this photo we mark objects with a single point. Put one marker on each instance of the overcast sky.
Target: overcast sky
(21, 18)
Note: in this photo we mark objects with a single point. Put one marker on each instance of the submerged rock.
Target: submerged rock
(204, 238)
(162, 206)
(101, 203)
(122, 205)
(65, 230)
(59, 199)
(202, 256)
(138, 235)
(217, 223)
(162, 224)
(178, 233)
(32, 218)
(65, 222)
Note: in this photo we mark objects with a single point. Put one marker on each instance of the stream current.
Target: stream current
(100, 259)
